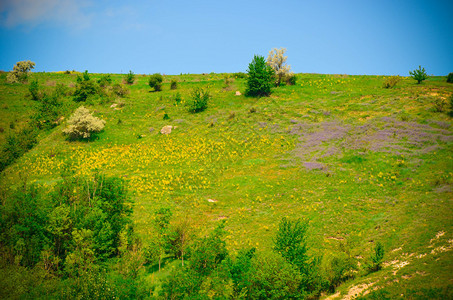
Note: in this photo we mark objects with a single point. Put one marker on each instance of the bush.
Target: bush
(440, 105)
(120, 90)
(199, 101)
(130, 77)
(34, 90)
(48, 112)
(277, 61)
(82, 124)
(259, 78)
(16, 145)
(419, 74)
(105, 80)
(239, 75)
(85, 87)
(272, 277)
(20, 71)
(391, 82)
(291, 79)
(173, 84)
(377, 257)
(178, 98)
(155, 81)
(450, 78)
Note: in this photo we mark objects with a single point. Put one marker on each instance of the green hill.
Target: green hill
(360, 163)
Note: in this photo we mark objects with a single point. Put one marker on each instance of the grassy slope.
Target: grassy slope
(385, 158)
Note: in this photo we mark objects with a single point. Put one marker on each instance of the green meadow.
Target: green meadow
(360, 163)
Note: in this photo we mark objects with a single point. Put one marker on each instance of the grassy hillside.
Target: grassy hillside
(362, 163)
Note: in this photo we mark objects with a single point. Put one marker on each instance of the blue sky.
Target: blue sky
(337, 37)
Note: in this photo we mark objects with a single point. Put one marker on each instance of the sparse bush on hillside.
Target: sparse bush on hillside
(239, 75)
(129, 78)
(259, 78)
(391, 82)
(450, 78)
(105, 80)
(155, 81)
(178, 98)
(376, 258)
(173, 84)
(440, 105)
(48, 112)
(451, 106)
(85, 88)
(120, 90)
(277, 61)
(34, 90)
(82, 124)
(199, 101)
(16, 145)
(419, 74)
(291, 79)
(20, 71)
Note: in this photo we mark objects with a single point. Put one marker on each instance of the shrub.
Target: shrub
(20, 71)
(440, 105)
(85, 87)
(120, 90)
(451, 106)
(239, 75)
(155, 81)
(16, 145)
(377, 257)
(391, 82)
(272, 277)
(34, 90)
(48, 112)
(130, 77)
(419, 74)
(173, 84)
(199, 101)
(277, 61)
(178, 98)
(105, 80)
(450, 78)
(291, 79)
(259, 78)
(82, 124)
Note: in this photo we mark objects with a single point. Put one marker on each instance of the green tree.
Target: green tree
(155, 81)
(208, 252)
(419, 74)
(377, 258)
(161, 222)
(179, 237)
(272, 277)
(85, 87)
(129, 78)
(290, 242)
(259, 79)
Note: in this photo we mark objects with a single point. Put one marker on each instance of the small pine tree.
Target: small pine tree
(259, 78)
(130, 77)
(419, 74)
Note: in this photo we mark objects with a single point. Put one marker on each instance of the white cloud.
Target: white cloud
(34, 12)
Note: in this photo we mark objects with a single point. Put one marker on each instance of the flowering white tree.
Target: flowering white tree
(82, 124)
(20, 71)
(277, 61)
